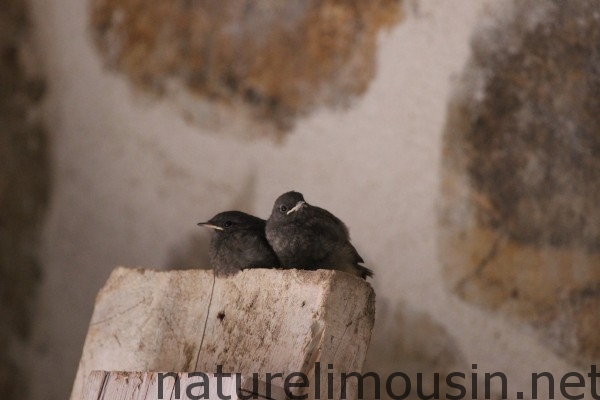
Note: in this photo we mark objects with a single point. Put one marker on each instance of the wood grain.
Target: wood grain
(258, 321)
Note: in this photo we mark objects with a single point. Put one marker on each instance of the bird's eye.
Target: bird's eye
(283, 208)
(227, 224)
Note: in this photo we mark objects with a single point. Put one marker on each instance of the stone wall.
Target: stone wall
(24, 186)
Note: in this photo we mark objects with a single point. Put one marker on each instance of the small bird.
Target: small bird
(309, 237)
(238, 242)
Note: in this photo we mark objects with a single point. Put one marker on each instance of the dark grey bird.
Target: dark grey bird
(238, 242)
(308, 237)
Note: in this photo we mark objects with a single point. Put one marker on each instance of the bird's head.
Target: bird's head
(230, 221)
(288, 205)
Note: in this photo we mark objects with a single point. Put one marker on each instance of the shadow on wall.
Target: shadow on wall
(520, 226)
(408, 341)
(270, 61)
(24, 191)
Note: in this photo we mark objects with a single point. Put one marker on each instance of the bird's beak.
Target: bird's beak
(298, 206)
(209, 225)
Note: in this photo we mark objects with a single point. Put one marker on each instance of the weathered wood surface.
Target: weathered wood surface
(258, 321)
(115, 385)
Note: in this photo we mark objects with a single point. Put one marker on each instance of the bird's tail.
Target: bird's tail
(364, 272)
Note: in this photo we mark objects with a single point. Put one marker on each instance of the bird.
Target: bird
(238, 242)
(308, 237)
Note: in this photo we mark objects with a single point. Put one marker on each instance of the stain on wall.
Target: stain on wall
(24, 187)
(275, 60)
(520, 222)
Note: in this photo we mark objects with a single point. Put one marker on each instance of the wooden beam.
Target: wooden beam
(115, 385)
(258, 321)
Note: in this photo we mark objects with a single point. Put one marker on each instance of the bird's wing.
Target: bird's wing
(332, 222)
(347, 259)
(363, 271)
(354, 253)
